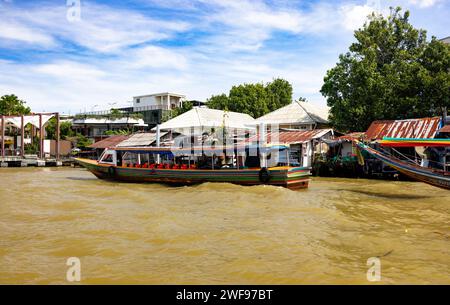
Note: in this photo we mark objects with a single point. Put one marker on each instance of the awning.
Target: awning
(29, 119)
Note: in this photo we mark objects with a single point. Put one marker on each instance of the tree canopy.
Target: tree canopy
(390, 72)
(65, 129)
(254, 99)
(11, 105)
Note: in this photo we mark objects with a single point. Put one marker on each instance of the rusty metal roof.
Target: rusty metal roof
(351, 136)
(111, 141)
(423, 128)
(446, 128)
(294, 136)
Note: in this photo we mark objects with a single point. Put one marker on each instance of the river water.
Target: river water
(219, 233)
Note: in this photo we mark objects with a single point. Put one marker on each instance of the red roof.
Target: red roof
(424, 128)
(293, 137)
(111, 141)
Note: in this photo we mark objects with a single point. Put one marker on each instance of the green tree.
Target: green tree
(65, 129)
(435, 77)
(115, 114)
(117, 132)
(11, 105)
(187, 105)
(280, 93)
(251, 99)
(254, 99)
(390, 72)
(82, 142)
(218, 102)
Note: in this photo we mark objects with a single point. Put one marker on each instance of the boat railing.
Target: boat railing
(408, 162)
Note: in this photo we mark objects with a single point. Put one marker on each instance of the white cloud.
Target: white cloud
(155, 57)
(101, 28)
(354, 16)
(13, 31)
(68, 69)
(423, 3)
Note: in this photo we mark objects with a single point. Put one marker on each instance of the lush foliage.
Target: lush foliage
(65, 129)
(117, 132)
(390, 72)
(254, 99)
(11, 105)
(114, 114)
(81, 141)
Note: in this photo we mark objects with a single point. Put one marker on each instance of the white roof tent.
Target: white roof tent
(33, 119)
(296, 113)
(200, 117)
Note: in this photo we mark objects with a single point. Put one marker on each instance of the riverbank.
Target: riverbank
(219, 233)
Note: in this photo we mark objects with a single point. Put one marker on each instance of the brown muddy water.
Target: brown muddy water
(219, 233)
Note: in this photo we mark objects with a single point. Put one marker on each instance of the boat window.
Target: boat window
(252, 161)
(108, 158)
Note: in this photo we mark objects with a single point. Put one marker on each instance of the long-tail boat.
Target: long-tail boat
(435, 177)
(184, 167)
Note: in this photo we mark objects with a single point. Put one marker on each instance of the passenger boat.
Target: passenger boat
(194, 166)
(435, 177)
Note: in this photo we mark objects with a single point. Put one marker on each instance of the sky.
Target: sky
(72, 56)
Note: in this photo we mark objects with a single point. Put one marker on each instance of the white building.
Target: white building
(97, 127)
(163, 101)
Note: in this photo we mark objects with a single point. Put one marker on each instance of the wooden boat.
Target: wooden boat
(111, 166)
(430, 176)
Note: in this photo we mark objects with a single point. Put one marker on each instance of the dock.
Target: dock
(34, 162)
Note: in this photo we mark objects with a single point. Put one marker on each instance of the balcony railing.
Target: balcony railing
(124, 110)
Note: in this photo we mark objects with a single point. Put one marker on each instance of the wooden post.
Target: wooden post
(3, 136)
(58, 135)
(41, 140)
(22, 144)
(158, 135)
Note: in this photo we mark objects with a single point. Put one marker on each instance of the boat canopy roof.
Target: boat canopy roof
(412, 142)
(198, 149)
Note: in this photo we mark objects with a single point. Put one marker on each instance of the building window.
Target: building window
(138, 100)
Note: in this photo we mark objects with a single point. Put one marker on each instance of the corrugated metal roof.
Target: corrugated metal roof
(111, 141)
(140, 139)
(293, 137)
(446, 128)
(351, 136)
(296, 113)
(423, 128)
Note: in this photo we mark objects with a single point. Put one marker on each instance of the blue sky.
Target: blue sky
(119, 49)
